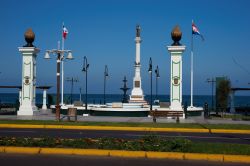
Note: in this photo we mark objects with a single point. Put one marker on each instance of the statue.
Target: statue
(138, 31)
(29, 38)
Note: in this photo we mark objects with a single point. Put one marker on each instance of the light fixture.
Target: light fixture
(70, 56)
(47, 55)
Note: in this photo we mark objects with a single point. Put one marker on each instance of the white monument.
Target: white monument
(137, 93)
(176, 50)
(28, 94)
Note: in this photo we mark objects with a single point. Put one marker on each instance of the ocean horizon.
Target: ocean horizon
(199, 100)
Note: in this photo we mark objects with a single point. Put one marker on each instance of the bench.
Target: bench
(72, 112)
(175, 114)
(172, 114)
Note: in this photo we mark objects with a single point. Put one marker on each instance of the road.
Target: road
(59, 133)
(63, 160)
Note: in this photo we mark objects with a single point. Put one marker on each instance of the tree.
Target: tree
(224, 89)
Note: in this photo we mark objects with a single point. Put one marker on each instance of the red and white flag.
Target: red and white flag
(65, 32)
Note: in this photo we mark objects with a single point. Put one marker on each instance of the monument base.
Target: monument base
(26, 110)
(44, 107)
(137, 99)
(176, 108)
(193, 108)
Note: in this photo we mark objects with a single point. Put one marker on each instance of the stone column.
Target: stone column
(176, 77)
(44, 107)
(176, 50)
(29, 54)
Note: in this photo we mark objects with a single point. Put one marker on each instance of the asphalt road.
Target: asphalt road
(63, 160)
(59, 133)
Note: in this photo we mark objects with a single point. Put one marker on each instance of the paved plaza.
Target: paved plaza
(47, 115)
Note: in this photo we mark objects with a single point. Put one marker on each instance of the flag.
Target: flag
(65, 32)
(195, 31)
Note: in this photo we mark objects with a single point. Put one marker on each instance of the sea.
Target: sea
(198, 100)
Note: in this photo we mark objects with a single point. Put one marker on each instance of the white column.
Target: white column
(34, 84)
(137, 93)
(176, 77)
(27, 104)
(44, 107)
(20, 96)
(138, 50)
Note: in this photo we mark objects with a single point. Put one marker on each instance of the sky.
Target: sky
(104, 32)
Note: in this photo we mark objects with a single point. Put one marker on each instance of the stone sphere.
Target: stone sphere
(29, 37)
(176, 35)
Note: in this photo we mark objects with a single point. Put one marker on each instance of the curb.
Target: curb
(114, 128)
(130, 154)
(230, 131)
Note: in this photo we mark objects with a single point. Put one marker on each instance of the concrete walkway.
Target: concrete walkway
(42, 115)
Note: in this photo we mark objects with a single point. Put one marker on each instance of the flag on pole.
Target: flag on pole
(195, 31)
(65, 32)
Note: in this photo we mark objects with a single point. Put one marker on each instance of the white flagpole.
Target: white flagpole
(192, 69)
(62, 101)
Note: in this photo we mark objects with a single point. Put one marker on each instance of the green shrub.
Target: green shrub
(147, 143)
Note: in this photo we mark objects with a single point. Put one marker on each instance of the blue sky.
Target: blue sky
(104, 31)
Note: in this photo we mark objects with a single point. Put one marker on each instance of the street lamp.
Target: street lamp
(80, 94)
(156, 80)
(59, 54)
(72, 80)
(105, 77)
(150, 72)
(85, 70)
(212, 81)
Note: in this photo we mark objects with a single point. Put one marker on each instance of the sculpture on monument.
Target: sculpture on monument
(176, 36)
(29, 36)
(138, 31)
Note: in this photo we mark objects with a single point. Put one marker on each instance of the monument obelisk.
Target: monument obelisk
(137, 93)
(28, 95)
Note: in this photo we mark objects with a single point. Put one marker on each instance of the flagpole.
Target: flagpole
(62, 101)
(192, 72)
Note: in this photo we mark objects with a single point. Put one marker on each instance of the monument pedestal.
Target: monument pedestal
(137, 93)
(176, 77)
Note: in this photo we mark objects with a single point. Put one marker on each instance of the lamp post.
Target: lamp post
(156, 80)
(59, 54)
(212, 81)
(72, 80)
(105, 77)
(80, 94)
(150, 72)
(85, 70)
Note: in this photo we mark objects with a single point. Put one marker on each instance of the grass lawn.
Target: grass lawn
(132, 124)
